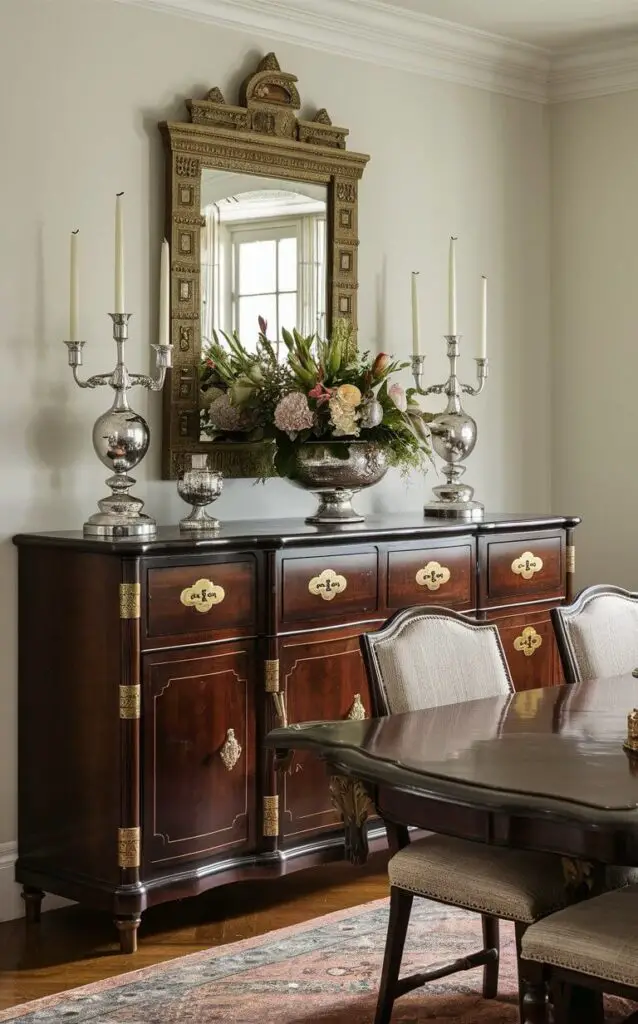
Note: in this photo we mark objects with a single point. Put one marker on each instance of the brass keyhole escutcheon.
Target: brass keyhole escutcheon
(527, 565)
(357, 712)
(230, 751)
(433, 575)
(327, 585)
(202, 595)
(528, 642)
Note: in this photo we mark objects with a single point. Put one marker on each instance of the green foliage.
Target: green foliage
(255, 383)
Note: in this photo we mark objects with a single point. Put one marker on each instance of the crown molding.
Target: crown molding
(406, 40)
(599, 69)
(374, 31)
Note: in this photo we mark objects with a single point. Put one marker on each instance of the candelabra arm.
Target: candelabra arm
(75, 360)
(163, 360)
(482, 371)
(97, 381)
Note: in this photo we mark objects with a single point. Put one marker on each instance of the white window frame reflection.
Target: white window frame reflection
(266, 231)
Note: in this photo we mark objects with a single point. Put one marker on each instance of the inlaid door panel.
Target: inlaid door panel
(199, 750)
(530, 649)
(324, 679)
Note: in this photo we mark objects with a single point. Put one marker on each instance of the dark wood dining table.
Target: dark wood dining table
(541, 770)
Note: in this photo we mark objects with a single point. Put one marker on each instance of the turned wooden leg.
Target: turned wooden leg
(127, 927)
(535, 1005)
(559, 998)
(400, 907)
(32, 903)
(491, 940)
(519, 931)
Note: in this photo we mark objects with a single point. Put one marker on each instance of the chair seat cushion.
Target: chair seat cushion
(510, 884)
(598, 937)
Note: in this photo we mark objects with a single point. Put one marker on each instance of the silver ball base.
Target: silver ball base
(335, 508)
(105, 524)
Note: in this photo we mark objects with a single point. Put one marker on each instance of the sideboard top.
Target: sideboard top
(280, 533)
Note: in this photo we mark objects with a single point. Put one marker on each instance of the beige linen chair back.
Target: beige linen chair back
(597, 635)
(426, 657)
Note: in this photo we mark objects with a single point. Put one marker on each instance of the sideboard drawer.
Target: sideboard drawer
(200, 598)
(442, 575)
(527, 569)
(329, 586)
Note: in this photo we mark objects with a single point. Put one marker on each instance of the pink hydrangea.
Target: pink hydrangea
(226, 416)
(293, 413)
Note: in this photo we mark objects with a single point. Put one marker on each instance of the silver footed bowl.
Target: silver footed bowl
(199, 487)
(319, 468)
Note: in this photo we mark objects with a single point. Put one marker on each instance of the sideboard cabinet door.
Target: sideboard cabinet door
(324, 678)
(199, 742)
(530, 648)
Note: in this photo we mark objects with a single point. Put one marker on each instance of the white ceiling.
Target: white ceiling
(546, 23)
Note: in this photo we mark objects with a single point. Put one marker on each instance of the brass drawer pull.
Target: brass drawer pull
(528, 642)
(433, 575)
(230, 751)
(527, 565)
(202, 595)
(357, 711)
(327, 585)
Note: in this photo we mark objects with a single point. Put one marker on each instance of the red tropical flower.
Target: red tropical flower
(321, 393)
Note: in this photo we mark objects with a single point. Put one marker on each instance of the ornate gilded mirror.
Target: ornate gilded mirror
(261, 215)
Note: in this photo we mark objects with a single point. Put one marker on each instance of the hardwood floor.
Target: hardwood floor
(74, 946)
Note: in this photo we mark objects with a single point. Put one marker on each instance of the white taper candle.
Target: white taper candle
(415, 314)
(74, 290)
(165, 290)
(119, 254)
(452, 287)
(483, 351)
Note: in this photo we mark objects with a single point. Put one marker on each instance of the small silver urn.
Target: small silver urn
(199, 486)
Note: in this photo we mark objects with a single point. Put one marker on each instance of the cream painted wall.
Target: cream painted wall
(595, 330)
(88, 81)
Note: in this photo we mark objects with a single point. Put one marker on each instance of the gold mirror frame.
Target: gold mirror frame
(262, 136)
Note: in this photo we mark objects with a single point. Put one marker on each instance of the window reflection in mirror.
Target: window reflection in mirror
(263, 255)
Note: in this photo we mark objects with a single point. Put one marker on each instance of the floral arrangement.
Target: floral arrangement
(322, 391)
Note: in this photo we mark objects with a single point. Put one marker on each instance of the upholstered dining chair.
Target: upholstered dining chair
(591, 945)
(428, 657)
(597, 635)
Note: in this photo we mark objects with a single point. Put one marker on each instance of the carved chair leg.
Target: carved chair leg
(519, 931)
(127, 927)
(32, 904)
(535, 1005)
(491, 940)
(559, 998)
(400, 908)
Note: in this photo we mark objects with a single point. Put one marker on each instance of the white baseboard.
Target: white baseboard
(11, 904)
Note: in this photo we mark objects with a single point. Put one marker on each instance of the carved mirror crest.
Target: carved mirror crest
(261, 215)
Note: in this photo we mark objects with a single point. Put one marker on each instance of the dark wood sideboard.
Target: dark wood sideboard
(150, 671)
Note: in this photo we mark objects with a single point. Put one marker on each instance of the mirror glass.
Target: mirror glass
(263, 255)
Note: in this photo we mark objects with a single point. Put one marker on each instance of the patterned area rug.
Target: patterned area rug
(326, 972)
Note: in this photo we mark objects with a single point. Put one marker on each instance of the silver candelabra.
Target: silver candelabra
(120, 437)
(453, 436)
